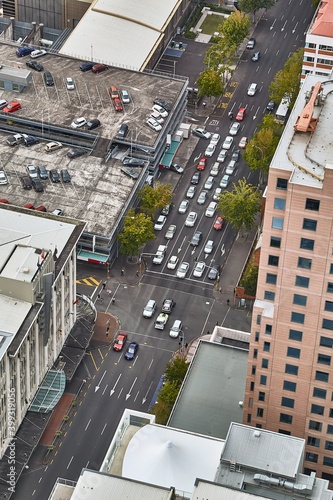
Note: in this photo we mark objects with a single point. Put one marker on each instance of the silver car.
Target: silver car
(190, 219)
(170, 232)
(183, 207)
(222, 155)
(217, 194)
(182, 270)
(149, 309)
(191, 192)
(202, 198)
(209, 182)
(231, 167)
(199, 269)
(224, 181)
(209, 246)
(234, 129)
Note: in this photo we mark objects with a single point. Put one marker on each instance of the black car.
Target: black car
(196, 177)
(174, 167)
(26, 182)
(30, 140)
(91, 124)
(35, 65)
(235, 155)
(123, 131)
(166, 210)
(161, 102)
(168, 305)
(130, 172)
(37, 185)
(135, 162)
(270, 106)
(42, 172)
(65, 176)
(86, 66)
(54, 175)
(131, 351)
(196, 238)
(48, 79)
(76, 152)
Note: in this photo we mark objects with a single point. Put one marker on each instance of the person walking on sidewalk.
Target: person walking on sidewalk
(122, 272)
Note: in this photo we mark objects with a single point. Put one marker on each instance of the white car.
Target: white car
(153, 124)
(211, 209)
(37, 53)
(78, 122)
(214, 171)
(32, 171)
(201, 132)
(52, 146)
(161, 111)
(224, 181)
(228, 142)
(209, 182)
(125, 97)
(209, 246)
(222, 155)
(252, 89)
(70, 83)
(157, 117)
(183, 207)
(191, 192)
(215, 139)
(160, 223)
(201, 200)
(149, 309)
(170, 232)
(191, 219)
(243, 142)
(182, 270)
(217, 194)
(3, 178)
(176, 329)
(199, 269)
(231, 167)
(173, 261)
(234, 129)
(210, 150)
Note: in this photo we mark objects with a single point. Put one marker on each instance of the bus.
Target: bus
(282, 111)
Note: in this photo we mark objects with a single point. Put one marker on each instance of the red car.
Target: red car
(98, 68)
(12, 106)
(241, 114)
(117, 104)
(120, 341)
(202, 163)
(218, 224)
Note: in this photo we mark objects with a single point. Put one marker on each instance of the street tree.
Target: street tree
(210, 83)
(138, 229)
(164, 404)
(153, 199)
(175, 370)
(260, 150)
(254, 5)
(235, 28)
(286, 82)
(240, 205)
(220, 57)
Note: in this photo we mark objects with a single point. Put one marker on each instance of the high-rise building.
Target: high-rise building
(289, 380)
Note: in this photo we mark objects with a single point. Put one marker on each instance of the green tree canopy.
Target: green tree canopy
(240, 205)
(235, 28)
(260, 150)
(138, 229)
(210, 83)
(220, 57)
(175, 371)
(287, 81)
(254, 5)
(153, 199)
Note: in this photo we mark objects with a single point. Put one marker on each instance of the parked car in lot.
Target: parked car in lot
(252, 89)
(202, 133)
(37, 185)
(217, 194)
(65, 176)
(12, 106)
(182, 270)
(214, 171)
(35, 65)
(114, 93)
(234, 128)
(42, 172)
(38, 53)
(196, 238)
(209, 183)
(228, 142)
(183, 207)
(211, 209)
(131, 351)
(218, 224)
(210, 150)
(224, 181)
(157, 117)
(86, 66)
(70, 83)
(149, 309)
(222, 155)
(134, 162)
(52, 146)
(168, 305)
(48, 79)
(3, 178)
(117, 104)
(241, 114)
(191, 219)
(26, 182)
(78, 122)
(98, 68)
(125, 97)
(159, 110)
(171, 232)
(30, 140)
(191, 192)
(54, 175)
(154, 125)
(76, 152)
(209, 246)
(242, 142)
(32, 171)
(199, 269)
(123, 131)
(196, 178)
(173, 261)
(119, 343)
(202, 198)
(14, 140)
(202, 163)
(163, 103)
(158, 226)
(231, 167)
(176, 329)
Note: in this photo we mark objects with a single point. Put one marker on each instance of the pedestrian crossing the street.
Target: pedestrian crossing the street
(90, 281)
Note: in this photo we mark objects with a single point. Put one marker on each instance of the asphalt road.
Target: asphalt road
(114, 384)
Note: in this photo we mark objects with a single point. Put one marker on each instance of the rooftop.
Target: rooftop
(323, 23)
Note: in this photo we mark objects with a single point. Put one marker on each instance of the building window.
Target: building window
(328, 461)
(319, 393)
(328, 306)
(323, 359)
(326, 342)
(300, 300)
(281, 183)
(285, 418)
(317, 409)
(304, 263)
(271, 278)
(269, 295)
(256, 338)
(288, 402)
(253, 370)
(292, 352)
(279, 203)
(263, 380)
(282, 431)
(291, 369)
(310, 224)
(312, 441)
(297, 317)
(329, 429)
(289, 386)
(267, 346)
(268, 329)
(255, 353)
(311, 204)
(251, 386)
(328, 445)
(277, 222)
(258, 319)
(273, 260)
(311, 457)
(302, 281)
(295, 335)
(316, 426)
(327, 324)
(249, 418)
(331, 268)
(264, 363)
(322, 376)
(275, 242)
(261, 396)
(329, 287)
(307, 244)
(260, 412)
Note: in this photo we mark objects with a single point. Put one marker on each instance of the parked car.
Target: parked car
(176, 329)
(176, 168)
(114, 92)
(191, 219)
(202, 198)
(42, 172)
(218, 224)
(159, 110)
(182, 270)
(26, 182)
(117, 104)
(35, 65)
(37, 185)
(32, 171)
(3, 178)
(65, 176)
(134, 162)
(173, 261)
(54, 175)
(37, 53)
(251, 43)
(242, 142)
(191, 192)
(24, 50)
(70, 83)
(158, 226)
(228, 142)
(52, 146)
(196, 238)
(209, 182)
(168, 305)
(222, 155)
(125, 97)
(86, 66)
(30, 140)
(123, 131)
(210, 150)
(98, 68)
(48, 79)
(202, 133)
(209, 246)
(199, 269)
(14, 140)
(78, 122)
(153, 124)
(224, 181)
(119, 343)
(171, 232)
(12, 106)
(131, 351)
(183, 207)
(241, 114)
(149, 309)
(195, 178)
(255, 57)
(202, 163)
(163, 103)
(76, 152)
(252, 89)
(211, 209)
(234, 128)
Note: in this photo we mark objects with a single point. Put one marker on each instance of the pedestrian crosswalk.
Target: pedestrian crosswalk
(90, 281)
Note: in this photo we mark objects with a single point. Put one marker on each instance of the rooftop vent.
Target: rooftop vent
(257, 434)
(25, 270)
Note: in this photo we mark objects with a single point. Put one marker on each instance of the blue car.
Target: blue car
(131, 350)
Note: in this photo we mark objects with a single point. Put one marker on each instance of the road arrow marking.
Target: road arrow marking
(128, 395)
(222, 249)
(144, 399)
(273, 24)
(197, 158)
(181, 245)
(115, 385)
(98, 386)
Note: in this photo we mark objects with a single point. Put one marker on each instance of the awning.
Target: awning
(168, 155)
(49, 392)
